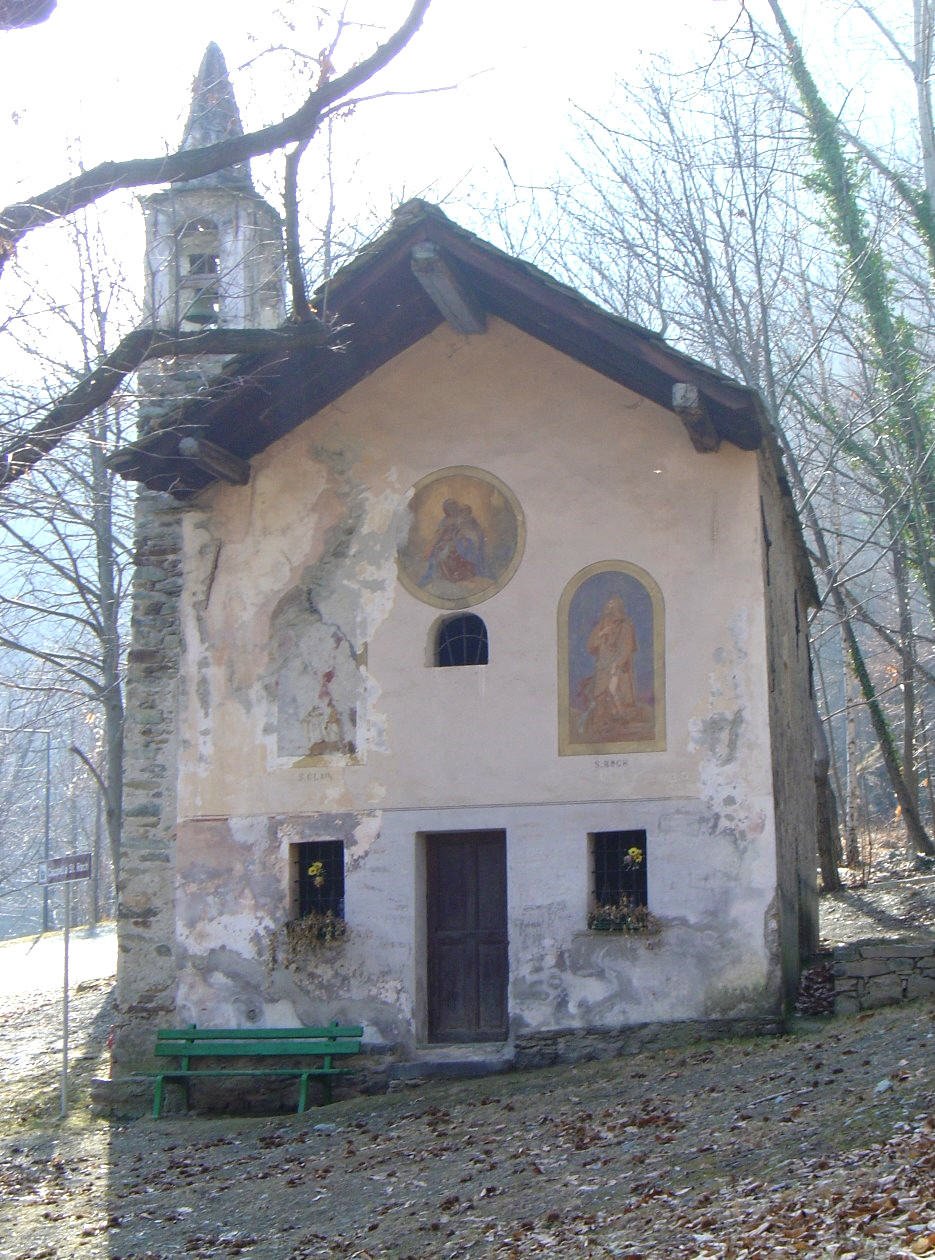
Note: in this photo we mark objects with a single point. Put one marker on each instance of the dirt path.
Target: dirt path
(817, 1144)
(780, 1142)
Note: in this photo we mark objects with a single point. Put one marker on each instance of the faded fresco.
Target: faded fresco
(461, 539)
(611, 690)
(319, 686)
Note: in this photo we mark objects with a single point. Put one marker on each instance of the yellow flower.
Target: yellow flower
(635, 854)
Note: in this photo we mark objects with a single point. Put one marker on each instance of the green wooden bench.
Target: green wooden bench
(199, 1044)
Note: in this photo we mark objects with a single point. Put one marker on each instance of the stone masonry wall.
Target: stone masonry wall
(879, 974)
(146, 972)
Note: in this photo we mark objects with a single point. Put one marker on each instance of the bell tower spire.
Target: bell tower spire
(214, 117)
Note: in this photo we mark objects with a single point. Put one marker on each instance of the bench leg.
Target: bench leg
(303, 1093)
(157, 1098)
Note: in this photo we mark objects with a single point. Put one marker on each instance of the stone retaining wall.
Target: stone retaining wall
(569, 1045)
(881, 974)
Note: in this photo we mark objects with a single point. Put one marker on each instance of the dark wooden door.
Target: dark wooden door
(467, 936)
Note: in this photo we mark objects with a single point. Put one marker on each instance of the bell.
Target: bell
(205, 309)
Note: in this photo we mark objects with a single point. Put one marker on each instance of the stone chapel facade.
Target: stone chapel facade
(455, 638)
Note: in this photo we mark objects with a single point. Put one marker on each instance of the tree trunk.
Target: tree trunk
(906, 670)
(95, 915)
(829, 838)
(112, 697)
(852, 805)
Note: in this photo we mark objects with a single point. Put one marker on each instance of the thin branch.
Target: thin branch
(21, 454)
(22, 217)
(86, 760)
(301, 308)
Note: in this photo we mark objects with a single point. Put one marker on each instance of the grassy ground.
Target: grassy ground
(818, 1143)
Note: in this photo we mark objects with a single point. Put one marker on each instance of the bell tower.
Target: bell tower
(214, 253)
(214, 259)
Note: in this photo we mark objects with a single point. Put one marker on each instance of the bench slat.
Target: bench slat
(197, 1049)
(184, 1073)
(330, 1032)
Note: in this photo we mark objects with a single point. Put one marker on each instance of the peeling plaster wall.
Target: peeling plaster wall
(708, 963)
(293, 577)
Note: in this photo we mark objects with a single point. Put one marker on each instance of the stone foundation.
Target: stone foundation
(547, 1049)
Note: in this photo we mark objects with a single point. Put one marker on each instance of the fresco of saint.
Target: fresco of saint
(610, 690)
(610, 636)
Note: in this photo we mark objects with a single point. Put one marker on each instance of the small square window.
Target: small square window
(318, 878)
(618, 865)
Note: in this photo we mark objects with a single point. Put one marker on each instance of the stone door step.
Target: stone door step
(452, 1062)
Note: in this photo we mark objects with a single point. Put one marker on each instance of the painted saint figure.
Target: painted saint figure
(457, 550)
(611, 690)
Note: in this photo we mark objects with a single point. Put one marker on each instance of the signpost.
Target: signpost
(65, 870)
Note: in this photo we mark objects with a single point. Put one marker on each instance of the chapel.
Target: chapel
(469, 694)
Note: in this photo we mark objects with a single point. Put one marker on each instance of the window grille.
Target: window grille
(462, 640)
(619, 865)
(319, 878)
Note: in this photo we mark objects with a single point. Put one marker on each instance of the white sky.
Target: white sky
(110, 79)
(116, 76)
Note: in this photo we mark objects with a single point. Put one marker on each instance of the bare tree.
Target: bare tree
(48, 805)
(65, 534)
(897, 451)
(688, 213)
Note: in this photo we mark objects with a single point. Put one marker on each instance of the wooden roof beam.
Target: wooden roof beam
(215, 461)
(689, 404)
(455, 301)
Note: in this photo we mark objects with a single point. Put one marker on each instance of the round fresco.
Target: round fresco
(461, 538)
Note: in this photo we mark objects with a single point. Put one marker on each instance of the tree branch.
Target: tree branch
(89, 764)
(21, 217)
(21, 454)
(301, 309)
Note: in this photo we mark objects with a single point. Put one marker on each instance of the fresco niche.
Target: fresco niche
(611, 682)
(460, 538)
(319, 684)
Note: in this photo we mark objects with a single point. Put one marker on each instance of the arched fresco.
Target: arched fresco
(611, 669)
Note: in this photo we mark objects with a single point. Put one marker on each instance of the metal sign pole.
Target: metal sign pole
(64, 870)
(47, 826)
(65, 1003)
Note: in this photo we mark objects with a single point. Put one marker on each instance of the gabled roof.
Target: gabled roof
(393, 294)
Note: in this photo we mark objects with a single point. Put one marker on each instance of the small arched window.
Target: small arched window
(461, 640)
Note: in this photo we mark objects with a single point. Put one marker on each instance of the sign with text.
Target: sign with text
(65, 870)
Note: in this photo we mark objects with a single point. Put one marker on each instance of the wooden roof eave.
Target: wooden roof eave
(258, 401)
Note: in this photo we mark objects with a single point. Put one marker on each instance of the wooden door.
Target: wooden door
(467, 936)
